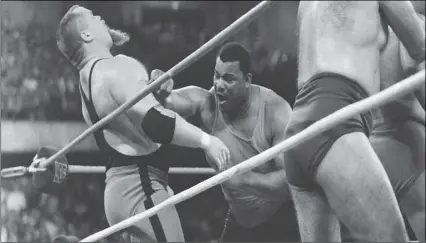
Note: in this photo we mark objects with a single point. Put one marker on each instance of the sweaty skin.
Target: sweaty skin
(137, 166)
(331, 43)
(396, 65)
(399, 138)
(333, 38)
(124, 133)
(346, 38)
(261, 186)
(265, 187)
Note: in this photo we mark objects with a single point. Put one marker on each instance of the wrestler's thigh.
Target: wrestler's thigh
(413, 206)
(359, 192)
(168, 217)
(317, 222)
(396, 158)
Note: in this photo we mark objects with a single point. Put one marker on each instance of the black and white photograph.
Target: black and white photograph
(212, 121)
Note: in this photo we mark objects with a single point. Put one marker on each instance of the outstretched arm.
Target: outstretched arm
(159, 124)
(187, 101)
(273, 185)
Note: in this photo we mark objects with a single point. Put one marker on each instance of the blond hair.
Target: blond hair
(68, 35)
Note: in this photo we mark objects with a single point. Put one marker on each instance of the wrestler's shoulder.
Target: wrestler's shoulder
(274, 103)
(203, 97)
(199, 91)
(124, 64)
(124, 67)
(271, 96)
(263, 88)
(127, 61)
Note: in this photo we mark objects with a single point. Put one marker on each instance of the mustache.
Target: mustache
(119, 37)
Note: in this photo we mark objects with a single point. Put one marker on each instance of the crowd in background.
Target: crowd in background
(37, 83)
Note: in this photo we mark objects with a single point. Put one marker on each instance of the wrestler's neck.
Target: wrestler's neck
(242, 110)
(94, 52)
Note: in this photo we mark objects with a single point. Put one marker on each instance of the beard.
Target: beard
(118, 37)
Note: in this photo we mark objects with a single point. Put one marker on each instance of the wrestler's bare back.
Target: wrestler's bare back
(121, 134)
(343, 37)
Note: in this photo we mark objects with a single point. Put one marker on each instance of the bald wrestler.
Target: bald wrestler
(398, 137)
(337, 176)
(136, 143)
(249, 119)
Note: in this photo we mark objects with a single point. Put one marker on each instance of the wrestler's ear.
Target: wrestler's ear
(86, 36)
(248, 79)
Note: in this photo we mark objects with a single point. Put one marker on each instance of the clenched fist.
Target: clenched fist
(165, 89)
(218, 152)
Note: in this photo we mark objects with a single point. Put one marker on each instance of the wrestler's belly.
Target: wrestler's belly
(361, 70)
(356, 62)
(249, 210)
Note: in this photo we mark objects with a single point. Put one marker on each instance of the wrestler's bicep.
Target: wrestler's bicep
(409, 65)
(404, 21)
(187, 101)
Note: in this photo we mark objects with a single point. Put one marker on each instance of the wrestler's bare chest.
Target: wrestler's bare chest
(348, 18)
(342, 37)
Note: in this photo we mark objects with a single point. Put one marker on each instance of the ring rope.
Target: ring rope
(83, 169)
(173, 170)
(395, 91)
(189, 60)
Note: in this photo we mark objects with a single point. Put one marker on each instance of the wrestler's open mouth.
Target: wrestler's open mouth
(221, 97)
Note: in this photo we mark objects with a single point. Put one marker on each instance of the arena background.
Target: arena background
(41, 104)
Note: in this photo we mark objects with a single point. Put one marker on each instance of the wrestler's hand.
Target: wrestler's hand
(36, 161)
(218, 152)
(166, 88)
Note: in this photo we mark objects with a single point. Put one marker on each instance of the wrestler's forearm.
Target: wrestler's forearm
(408, 27)
(184, 101)
(273, 185)
(174, 102)
(188, 135)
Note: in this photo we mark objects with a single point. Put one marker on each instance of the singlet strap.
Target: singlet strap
(94, 117)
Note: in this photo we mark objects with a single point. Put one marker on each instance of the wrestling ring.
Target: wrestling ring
(396, 91)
